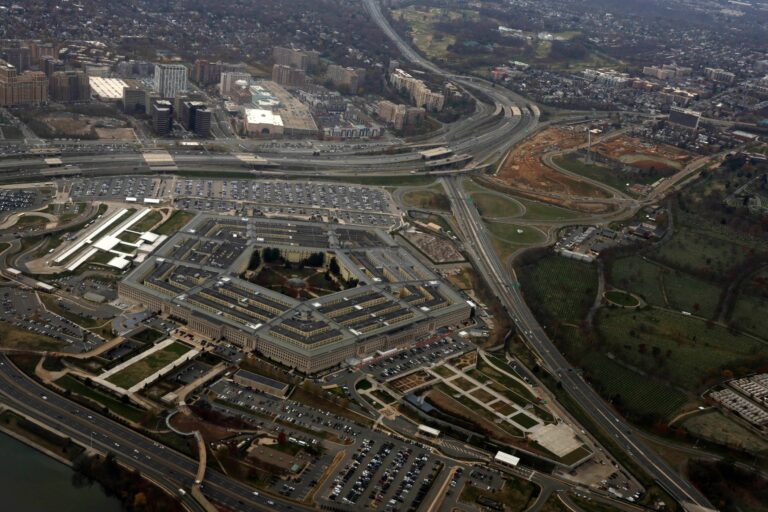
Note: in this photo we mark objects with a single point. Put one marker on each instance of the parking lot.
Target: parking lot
(188, 373)
(18, 199)
(339, 203)
(287, 193)
(427, 354)
(118, 188)
(22, 309)
(384, 474)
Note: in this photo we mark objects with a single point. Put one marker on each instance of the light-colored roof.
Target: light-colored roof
(107, 88)
(506, 458)
(429, 430)
(430, 153)
(261, 116)
(119, 262)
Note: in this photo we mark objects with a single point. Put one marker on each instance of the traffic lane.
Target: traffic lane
(555, 360)
(181, 468)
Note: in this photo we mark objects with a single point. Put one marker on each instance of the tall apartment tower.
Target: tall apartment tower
(170, 79)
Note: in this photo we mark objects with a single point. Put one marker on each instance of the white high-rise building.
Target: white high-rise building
(170, 79)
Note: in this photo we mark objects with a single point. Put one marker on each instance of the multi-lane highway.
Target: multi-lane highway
(479, 246)
(163, 465)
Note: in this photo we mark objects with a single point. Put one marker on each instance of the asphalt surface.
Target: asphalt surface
(163, 465)
(478, 244)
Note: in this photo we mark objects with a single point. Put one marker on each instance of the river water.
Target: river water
(33, 482)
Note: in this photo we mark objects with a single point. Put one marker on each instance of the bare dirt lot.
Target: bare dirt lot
(523, 168)
(76, 125)
(115, 133)
(644, 154)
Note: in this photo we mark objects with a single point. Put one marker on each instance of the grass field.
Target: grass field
(714, 426)
(427, 199)
(621, 298)
(688, 293)
(145, 367)
(114, 404)
(562, 288)
(174, 223)
(636, 393)
(677, 348)
(515, 233)
(534, 210)
(147, 222)
(703, 251)
(600, 173)
(17, 337)
(30, 221)
(616, 179)
(749, 314)
(494, 206)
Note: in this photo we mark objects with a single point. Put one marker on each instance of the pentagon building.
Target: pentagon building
(195, 278)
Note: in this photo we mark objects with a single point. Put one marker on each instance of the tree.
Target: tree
(333, 267)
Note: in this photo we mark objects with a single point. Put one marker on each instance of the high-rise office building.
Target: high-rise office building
(196, 118)
(134, 100)
(69, 86)
(162, 117)
(170, 79)
(27, 88)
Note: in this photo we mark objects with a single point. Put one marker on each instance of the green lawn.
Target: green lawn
(524, 420)
(616, 179)
(176, 221)
(77, 387)
(145, 367)
(426, 199)
(621, 298)
(750, 314)
(515, 233)
(688, 293)
(147, 222)
(639, 276)
(631, 391)
(493, 205)
(677, 348)
(563, 289)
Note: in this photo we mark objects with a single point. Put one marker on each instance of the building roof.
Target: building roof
(506, 458)
(107, 88)
(119, 262)
(262, 116)
(261, 379)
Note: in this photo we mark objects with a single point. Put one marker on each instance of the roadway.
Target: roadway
(478, 245)
(162, 465)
